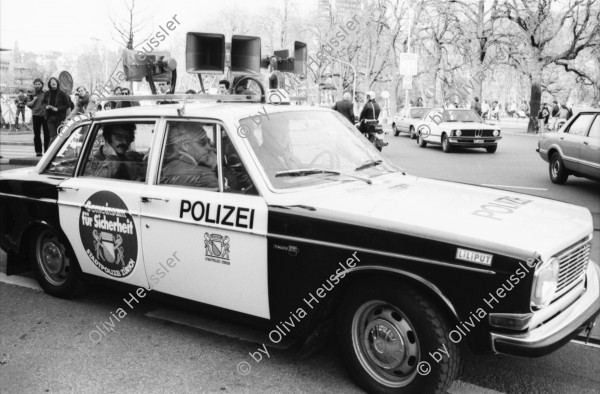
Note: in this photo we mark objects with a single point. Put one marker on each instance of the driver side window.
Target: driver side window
(65, 160)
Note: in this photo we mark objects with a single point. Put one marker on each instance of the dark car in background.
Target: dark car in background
(574, 149)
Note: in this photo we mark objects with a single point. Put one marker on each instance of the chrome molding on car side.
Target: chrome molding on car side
(380, 253)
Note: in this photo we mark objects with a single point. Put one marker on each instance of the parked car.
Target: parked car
(291, 221)
(406, 120)
(574, 149)
(457, 128)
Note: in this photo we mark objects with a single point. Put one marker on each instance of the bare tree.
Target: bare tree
(555, 32)
(129, 26)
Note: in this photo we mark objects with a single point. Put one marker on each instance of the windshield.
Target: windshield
(462, 115)
(418, 113)
(304, 148)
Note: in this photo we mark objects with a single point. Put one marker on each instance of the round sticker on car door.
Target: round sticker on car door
(108, 234)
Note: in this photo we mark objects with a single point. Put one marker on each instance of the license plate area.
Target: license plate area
(478, 141)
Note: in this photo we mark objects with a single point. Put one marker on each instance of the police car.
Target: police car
(287, 217)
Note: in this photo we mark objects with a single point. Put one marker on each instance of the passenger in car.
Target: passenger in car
(191, 161)
(275, 152)
(114, 159)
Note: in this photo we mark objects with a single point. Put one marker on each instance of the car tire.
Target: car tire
(387, 333)
(446, 147)
(54, 264)
(395, 130)
(558, 172)
(421, 141)
(413, 135)
(491, 148)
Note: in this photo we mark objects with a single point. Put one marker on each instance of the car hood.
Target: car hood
(467, 125)
(477, 217)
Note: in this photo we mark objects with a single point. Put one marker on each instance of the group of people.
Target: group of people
(552, 118)
(485, 110)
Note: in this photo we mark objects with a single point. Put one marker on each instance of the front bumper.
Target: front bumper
(560, 329)
(469, 142)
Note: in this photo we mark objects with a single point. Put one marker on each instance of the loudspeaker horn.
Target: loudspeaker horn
(245, 55)
(205, 53)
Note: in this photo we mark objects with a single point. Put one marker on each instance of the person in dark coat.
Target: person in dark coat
(56, 102)
(38, 117)
(345, 107)
(370, 111)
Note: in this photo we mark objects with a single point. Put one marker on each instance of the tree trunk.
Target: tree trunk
(535, 98)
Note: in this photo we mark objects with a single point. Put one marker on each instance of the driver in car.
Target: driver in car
(275, 153)
(191, 160)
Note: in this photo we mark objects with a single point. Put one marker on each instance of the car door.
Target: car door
(589, 151)
(99, 208)
(402, 121)
(572, 138)
(205, 241)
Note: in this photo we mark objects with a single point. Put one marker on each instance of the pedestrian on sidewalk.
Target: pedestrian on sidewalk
(37, 117)
(345, 107)
(85, 106)
(21, 102)
(56, 103)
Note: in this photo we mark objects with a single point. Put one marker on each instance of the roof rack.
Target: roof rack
(199, 98)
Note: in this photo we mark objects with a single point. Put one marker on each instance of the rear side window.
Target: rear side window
(65, 160)
(581, 125)
(595, 129)
(120, 150)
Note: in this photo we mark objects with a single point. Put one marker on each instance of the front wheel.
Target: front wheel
(413, 135)
(421, 141)
(446, 147)
(491, 148)
(558, 172)
(394, 340)
(395, 130)
(55, 267)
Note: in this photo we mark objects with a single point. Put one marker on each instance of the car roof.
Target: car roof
(203, 110)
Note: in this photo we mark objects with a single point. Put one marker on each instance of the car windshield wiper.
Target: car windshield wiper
(368, 163)
(312, 171)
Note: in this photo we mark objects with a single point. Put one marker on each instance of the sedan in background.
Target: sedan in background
(574, 149)
(457, 128)
(406, 121)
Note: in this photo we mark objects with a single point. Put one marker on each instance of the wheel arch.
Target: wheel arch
(359, 275)
(22, 264)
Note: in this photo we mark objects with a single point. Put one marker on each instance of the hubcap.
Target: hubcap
(386, 343)
(555, 168)
(52, 260)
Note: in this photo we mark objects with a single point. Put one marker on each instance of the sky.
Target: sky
(66, 25)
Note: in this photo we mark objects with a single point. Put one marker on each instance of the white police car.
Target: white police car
(300, 227)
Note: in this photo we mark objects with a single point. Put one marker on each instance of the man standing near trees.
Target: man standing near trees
(476, 106)
(37, 117)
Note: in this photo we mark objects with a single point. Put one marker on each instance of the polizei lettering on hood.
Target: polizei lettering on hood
(225, 215)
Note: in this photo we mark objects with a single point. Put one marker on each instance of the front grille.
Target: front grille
(572, 266)
(477, 133)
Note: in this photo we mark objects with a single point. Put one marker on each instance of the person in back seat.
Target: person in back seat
(114, 159)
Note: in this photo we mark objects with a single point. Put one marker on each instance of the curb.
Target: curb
(17, 143)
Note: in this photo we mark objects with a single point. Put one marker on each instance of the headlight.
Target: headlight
(496, 133)
(457, 133)
(545, 281)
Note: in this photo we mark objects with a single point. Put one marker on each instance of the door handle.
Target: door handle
(585, 143)
(64, 188)
(148, 199)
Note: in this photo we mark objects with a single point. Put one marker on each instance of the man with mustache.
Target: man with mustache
(114, 159)
(37, 117)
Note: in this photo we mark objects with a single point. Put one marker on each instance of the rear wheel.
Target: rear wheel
(388, 333)
(491, 148)
(413, 135)
(55, 267)
(446, 147)
(395, 130)
(558, 172)
(421, 141)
